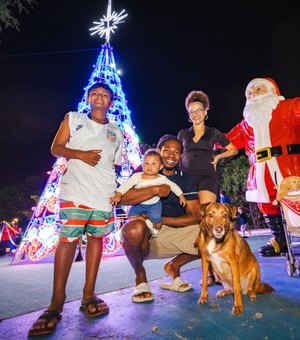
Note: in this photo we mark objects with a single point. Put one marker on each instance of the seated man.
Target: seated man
(176, 239)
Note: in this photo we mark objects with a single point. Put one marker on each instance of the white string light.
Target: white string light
(109, 23)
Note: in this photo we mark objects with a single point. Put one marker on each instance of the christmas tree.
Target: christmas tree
(41, 236)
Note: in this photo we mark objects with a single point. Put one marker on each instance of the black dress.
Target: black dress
(197, 157)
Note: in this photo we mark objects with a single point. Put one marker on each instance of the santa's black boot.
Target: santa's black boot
(276, 245)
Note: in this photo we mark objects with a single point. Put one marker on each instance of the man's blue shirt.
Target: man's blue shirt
(170, 205)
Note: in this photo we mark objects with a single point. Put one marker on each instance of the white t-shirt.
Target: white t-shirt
(137, 182)
(92, 186)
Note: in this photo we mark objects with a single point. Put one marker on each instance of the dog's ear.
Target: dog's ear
(231, 209)
(283, 190)
(202, 208)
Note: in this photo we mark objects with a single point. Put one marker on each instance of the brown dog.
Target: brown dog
(230, 256)
(291, 183)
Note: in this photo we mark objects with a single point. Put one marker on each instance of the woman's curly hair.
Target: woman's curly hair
(197, 96)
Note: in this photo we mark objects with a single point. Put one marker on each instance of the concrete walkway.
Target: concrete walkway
(171, 315)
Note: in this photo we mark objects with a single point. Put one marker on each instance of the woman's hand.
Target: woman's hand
(215, 161)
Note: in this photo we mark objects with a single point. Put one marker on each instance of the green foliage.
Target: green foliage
(8, 9)
(17, 201)
(233, 174)
(144, 147)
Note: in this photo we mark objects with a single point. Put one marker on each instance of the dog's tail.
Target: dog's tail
(265, 288)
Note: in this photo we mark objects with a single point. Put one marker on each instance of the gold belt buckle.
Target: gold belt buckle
(262, 159)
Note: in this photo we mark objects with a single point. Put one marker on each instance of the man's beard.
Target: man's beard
(169, 167)
(258, 111)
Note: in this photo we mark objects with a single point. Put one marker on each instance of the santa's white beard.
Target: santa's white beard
(258, 110)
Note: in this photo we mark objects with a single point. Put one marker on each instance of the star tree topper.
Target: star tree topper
(108, 23)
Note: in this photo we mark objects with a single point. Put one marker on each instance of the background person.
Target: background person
(198, 145)
(20, 236)
(224, 198)
(244, 223)
(14, 235)
(4, 238)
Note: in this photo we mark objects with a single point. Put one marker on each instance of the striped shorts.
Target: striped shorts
(77, 219)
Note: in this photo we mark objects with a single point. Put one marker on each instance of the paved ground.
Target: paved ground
(171, 316)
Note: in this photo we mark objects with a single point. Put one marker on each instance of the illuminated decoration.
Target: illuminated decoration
(108, 23)
(41, 236)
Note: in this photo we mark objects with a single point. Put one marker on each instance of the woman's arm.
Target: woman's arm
(231, 151)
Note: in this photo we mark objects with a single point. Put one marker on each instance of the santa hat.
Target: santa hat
(268, 82)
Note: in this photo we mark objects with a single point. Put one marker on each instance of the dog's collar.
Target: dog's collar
(219, 240)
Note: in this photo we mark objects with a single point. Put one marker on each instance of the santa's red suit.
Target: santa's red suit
(272, 144)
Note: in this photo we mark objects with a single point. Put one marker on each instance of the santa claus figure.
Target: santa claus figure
(270, 134)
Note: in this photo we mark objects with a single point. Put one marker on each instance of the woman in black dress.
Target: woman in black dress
(198, 143)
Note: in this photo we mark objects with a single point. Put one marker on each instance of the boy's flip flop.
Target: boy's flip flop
(95, 302)
(176, 285)
(48, 317)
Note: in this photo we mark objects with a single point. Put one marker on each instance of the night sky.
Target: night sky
(165, 50)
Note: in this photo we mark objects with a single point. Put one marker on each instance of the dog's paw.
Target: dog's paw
(202, 300)
(237, 310)
(223, 292)
(252, 296)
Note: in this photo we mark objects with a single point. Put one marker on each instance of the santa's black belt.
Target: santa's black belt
(267, 153)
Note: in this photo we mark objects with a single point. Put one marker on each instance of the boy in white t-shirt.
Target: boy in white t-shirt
(92, 145)
(152, 164)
